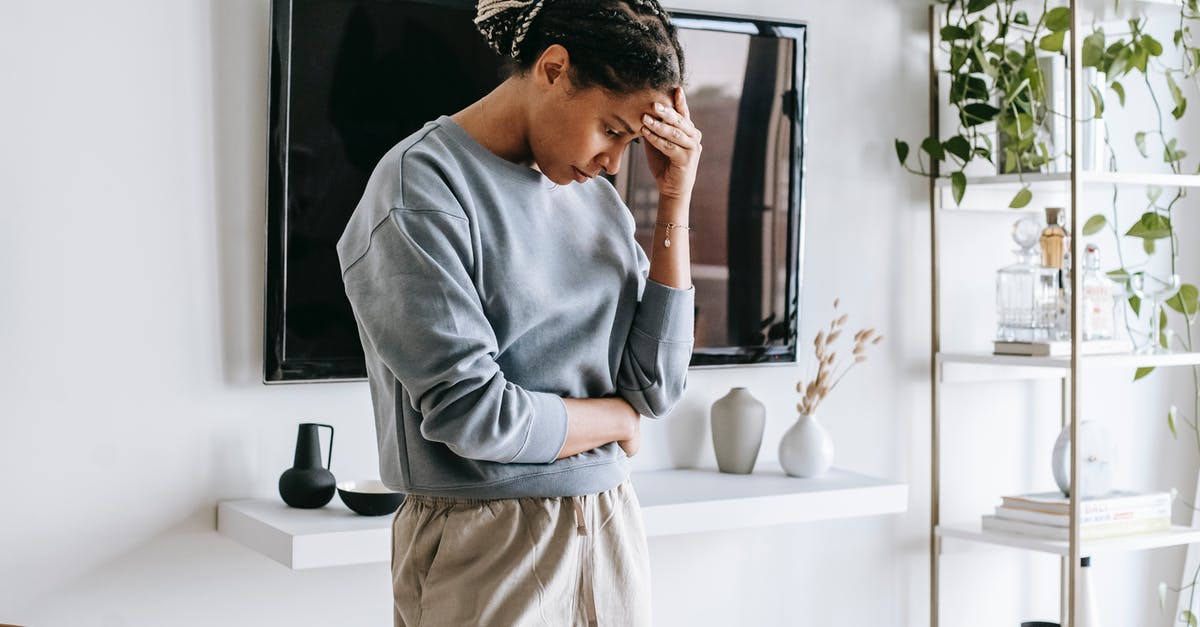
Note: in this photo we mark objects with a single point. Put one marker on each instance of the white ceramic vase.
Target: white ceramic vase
(738, 420)
(806, 449)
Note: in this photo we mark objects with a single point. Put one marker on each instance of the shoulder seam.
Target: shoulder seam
(403, 156)
(387, 216)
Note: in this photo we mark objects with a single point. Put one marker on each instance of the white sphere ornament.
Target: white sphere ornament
(1096, 452)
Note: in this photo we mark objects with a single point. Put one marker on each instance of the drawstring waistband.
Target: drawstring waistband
(586, 590)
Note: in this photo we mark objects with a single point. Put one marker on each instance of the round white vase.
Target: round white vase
(738, 420)
(806, 449)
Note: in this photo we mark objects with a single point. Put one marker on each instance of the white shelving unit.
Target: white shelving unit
(992, 194)
(673, 502)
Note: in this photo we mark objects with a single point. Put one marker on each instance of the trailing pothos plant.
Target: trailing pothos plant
(995, 84)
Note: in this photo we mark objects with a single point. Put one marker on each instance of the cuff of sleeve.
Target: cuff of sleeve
(667, 313)
(547, 431)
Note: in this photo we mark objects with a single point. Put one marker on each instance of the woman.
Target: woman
(515, 332)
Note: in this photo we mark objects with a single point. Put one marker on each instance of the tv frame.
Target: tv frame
(278, 370)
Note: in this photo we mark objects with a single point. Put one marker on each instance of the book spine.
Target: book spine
(1091, 506)
(1063, 520)
(1094, 532)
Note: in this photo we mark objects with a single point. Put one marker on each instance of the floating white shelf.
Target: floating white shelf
(1177, 536)
(673, 502)
(1063, 364)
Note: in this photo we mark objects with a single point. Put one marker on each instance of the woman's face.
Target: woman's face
(580, 133)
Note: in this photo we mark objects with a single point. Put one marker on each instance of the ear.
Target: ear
(552, 65)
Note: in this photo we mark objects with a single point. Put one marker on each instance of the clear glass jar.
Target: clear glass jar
(1026, 293)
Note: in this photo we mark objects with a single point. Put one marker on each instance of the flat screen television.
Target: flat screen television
(351, 78)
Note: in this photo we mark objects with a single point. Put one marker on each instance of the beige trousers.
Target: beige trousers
(551, 562)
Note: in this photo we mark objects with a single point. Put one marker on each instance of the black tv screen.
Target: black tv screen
(351, 78)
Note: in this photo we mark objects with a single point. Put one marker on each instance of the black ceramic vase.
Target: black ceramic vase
(307, 484)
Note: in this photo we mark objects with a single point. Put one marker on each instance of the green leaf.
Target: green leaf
(1021, 199)
(1135, 303)
(1178, 37)
(1138, 58)
(901, 151)
(1120, 275)
(977, 113)
(1093, 49)
(954, 33)
(1191, 618)
(1172, 414)
(958, 185)
(1097, 101)
(959, 147)
(1162, 328)
(1152, 225)
(1052, 42)
(1176, 96)
(1142, 372)
(1139, 138)
(966, 87)
(979, 5)
(1186, 301)
(1153, 192)
(1148, 246)
(1058, 20)
(1021, 18)
(1172, 154)
(1094, 224)
(1152, 46)
(931, 146)
(1120, 89)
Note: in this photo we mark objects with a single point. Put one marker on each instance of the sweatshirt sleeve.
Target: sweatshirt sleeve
(414, 301)
(654, 366)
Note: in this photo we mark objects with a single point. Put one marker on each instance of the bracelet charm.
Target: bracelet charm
(667, 226)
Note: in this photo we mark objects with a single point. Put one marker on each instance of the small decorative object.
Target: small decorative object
(369, 497)
(1026, 292)
(1089, 612)
(1097, 452)
(806, 449)
(738, 420)
(1154, 292)
(308, 485)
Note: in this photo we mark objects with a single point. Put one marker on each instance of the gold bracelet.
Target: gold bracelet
(668, 226)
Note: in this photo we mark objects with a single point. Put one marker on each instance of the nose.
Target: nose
(610, 160)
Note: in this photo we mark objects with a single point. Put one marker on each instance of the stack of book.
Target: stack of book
(1047, 515)
(1060, 348)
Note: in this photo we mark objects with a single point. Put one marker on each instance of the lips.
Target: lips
(580, 176)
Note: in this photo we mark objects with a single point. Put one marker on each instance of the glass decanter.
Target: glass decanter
(1026, 292)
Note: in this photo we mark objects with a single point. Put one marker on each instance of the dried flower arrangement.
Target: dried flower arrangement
(830, 371)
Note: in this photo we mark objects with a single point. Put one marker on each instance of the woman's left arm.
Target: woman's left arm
(653, 371)
(673, 154)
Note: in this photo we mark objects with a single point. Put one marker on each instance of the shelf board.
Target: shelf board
(673, 502)
(1063, 363)
(993, 193)
(1177, 536)
(1102, 178)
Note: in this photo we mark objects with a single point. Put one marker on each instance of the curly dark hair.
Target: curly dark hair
(621, 46)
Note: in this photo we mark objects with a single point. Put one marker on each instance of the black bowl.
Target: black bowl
(369, 497)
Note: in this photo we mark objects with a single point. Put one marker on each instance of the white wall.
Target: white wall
(131, 248)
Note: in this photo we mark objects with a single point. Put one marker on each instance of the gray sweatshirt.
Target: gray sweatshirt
(484, 295)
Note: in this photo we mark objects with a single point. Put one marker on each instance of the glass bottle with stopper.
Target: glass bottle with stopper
(1026, 291)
